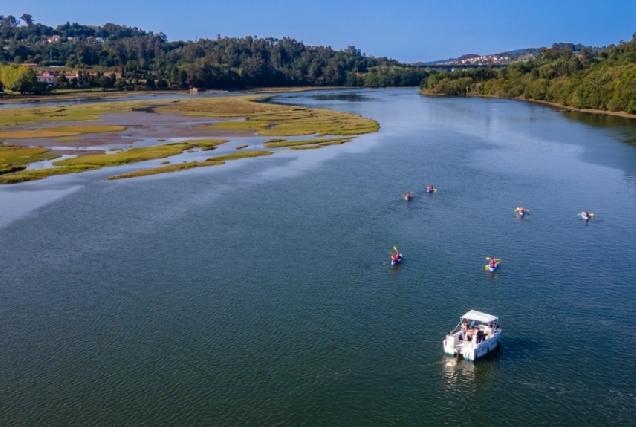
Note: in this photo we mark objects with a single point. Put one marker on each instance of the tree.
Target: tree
(25, 81)
(150, 82)
(11, 21)
(28, 19)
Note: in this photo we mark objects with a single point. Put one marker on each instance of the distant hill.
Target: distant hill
(83, 56)
(518, 54)
(567, 74)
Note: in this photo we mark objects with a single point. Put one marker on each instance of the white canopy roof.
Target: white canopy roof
(479, 316)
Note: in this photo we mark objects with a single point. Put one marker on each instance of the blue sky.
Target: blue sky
(409, 30)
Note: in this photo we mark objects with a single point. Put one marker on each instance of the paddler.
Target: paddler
(493, 263)
(522, 210)
(395, 257)
(430, 188)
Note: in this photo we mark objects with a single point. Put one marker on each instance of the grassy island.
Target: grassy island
(275, 119)
(213, 161)
(98, 161)
(236, 115)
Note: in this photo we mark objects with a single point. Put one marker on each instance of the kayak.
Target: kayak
(489, 268)
(408, 198)
(431, 191)
(586, 217)
(399, 260)
(521, 213)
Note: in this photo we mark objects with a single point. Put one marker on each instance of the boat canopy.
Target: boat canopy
(480, 317)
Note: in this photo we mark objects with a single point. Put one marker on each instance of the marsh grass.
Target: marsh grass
(33, 175)
(14, 158)
(94, 161)
(68, 139)
(25, 116)
(241, 155)
(214, 161)
(141, 154)
(58, 131)
(316, 143)
(272, 119)
(306, 147)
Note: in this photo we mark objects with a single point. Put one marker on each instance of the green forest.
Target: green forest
(116, 56)
(589, 79)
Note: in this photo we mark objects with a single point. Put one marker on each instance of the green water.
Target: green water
(260, 292)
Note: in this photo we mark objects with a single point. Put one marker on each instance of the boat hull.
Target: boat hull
(399, 260)
(492, 269)
(471, 350)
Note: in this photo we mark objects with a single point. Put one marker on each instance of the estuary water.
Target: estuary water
(260, 292)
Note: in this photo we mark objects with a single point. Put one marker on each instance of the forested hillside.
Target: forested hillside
(140, 57)
(604, 79)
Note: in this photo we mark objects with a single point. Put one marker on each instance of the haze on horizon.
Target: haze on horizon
(410, 31)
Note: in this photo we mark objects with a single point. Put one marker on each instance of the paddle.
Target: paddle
(496, 259)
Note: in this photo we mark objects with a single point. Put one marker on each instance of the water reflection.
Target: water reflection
(459, 372)
(348, 97)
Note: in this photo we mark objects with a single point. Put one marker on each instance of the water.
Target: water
(260, 292)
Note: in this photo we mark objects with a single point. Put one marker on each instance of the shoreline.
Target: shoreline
(554, 105)
(578, 110)
(100, 95)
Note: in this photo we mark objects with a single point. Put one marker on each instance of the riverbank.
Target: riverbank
(546, 103)
(90, 94)
(580, 110)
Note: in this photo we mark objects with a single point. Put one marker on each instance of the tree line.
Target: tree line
(144, 58)
(602, 79)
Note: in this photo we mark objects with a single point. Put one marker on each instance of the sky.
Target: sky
(407, 30)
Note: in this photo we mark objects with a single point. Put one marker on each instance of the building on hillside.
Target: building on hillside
(46, 77)
(54, 39)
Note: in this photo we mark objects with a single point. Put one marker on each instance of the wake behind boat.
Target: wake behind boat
(476, 335)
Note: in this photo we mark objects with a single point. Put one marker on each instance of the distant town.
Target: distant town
(473, 60)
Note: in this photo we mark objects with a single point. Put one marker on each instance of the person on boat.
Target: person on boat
(586, 214)
(430, 188)
(408, 196)
(395, 257)
(493, 263)
(522, 210)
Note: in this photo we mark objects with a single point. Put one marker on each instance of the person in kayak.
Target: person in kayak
(586, 214)
(395, 257)
(522, 210)
(430, 188)
(493, 263)
(408, 196)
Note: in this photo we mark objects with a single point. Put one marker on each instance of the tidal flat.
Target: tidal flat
(104, 134)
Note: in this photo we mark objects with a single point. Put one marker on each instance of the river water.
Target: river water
(260, 293)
